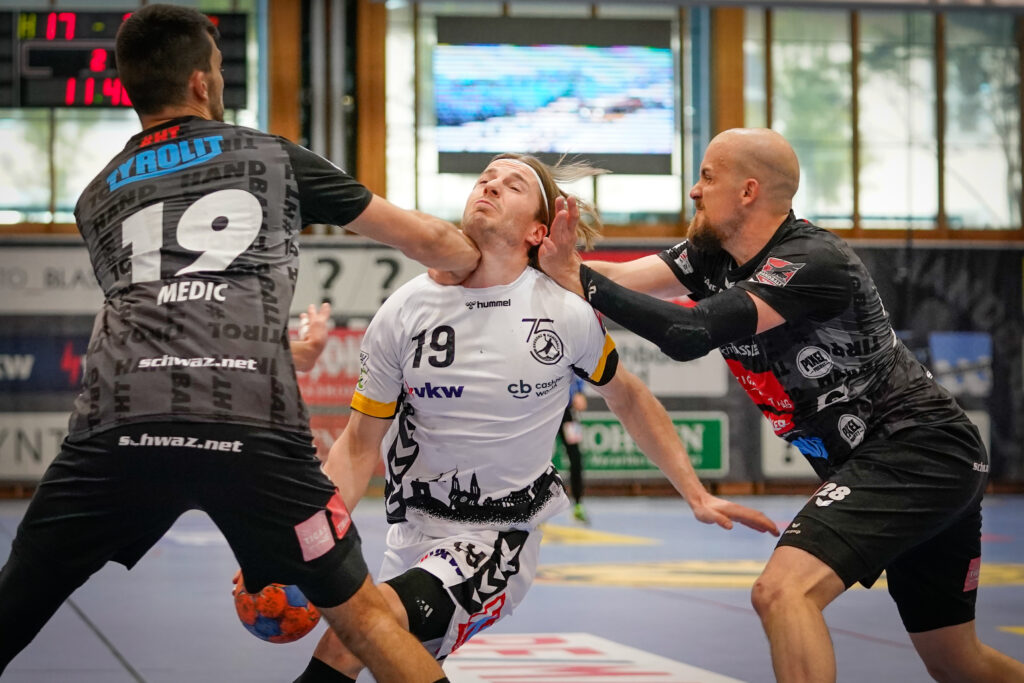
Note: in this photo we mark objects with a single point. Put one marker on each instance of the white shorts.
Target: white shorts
(487, 574)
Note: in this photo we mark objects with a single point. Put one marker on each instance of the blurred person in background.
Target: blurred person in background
(570, 433)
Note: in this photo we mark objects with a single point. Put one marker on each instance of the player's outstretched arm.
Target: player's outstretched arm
(312, 336)
(645, 419)
(561, 262)
(354, 456)
(431, 241)
(647, 274)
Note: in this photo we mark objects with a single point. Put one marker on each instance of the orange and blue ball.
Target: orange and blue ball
(277, 613)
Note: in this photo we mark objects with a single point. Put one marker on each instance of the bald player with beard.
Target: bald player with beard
(800, 324)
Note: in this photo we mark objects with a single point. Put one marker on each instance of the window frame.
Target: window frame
(941, 230)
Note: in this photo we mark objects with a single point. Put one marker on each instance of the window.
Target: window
(898, 175)
(861, 95)
(755, 65)
(24, 163)
(983, 156)
(811, 101)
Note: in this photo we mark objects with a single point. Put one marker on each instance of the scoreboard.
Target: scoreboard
(51, 58)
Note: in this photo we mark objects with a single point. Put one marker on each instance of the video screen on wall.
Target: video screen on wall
(504, 84)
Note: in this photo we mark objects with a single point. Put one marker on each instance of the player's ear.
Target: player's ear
(199, 86)
(536, 234)
(751, 188)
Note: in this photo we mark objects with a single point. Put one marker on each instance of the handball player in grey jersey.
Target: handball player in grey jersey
(190, 399)
(797, 318)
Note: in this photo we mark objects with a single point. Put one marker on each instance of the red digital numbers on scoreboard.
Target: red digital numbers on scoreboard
(83, 91)
(98, 61)
(111, 90)
(67, 59)
(64, 19)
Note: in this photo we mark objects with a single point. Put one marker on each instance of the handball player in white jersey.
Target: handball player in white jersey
(461, 390)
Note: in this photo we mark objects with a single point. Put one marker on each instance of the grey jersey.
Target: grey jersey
(191, 231)
(835, 372)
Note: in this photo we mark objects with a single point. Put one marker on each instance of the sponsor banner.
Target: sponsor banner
(609, 451)
(58, 279)
(333, 379)
(28, 443)
(707, 376)
(54, 279)
(25, 366)
(326, 428)
(565, 657)
(355, 278)
(355, 281)
(962, 362)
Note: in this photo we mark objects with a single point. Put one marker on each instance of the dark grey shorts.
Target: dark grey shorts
(112, 496)
(910, 505)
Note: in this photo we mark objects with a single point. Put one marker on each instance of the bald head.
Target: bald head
(764, 155)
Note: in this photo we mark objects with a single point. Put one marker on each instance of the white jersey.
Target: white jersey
(479, 379)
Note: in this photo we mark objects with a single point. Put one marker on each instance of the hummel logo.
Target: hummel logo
(502, 303)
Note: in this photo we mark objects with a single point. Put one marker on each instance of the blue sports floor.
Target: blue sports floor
(645, 593)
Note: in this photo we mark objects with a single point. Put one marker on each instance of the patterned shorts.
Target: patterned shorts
(487, 574)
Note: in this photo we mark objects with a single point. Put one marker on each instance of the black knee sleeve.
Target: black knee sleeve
(429, 605)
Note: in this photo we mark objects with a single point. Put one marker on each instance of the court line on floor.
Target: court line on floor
(110, 646)
(93, 627)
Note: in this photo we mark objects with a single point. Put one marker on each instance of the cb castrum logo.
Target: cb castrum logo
(520, 389)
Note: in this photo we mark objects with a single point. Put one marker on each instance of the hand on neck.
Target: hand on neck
(496, 269)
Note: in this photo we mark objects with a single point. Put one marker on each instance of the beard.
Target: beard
(217, 110)
(705, 236)
(216, 98)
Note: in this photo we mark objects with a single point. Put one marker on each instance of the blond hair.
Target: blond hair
(589, 226)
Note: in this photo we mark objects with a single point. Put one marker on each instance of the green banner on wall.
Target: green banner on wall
(609, 452)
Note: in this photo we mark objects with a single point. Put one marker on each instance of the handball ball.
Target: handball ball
(277, 614)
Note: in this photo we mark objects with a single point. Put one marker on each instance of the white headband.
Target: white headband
(531, 169)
